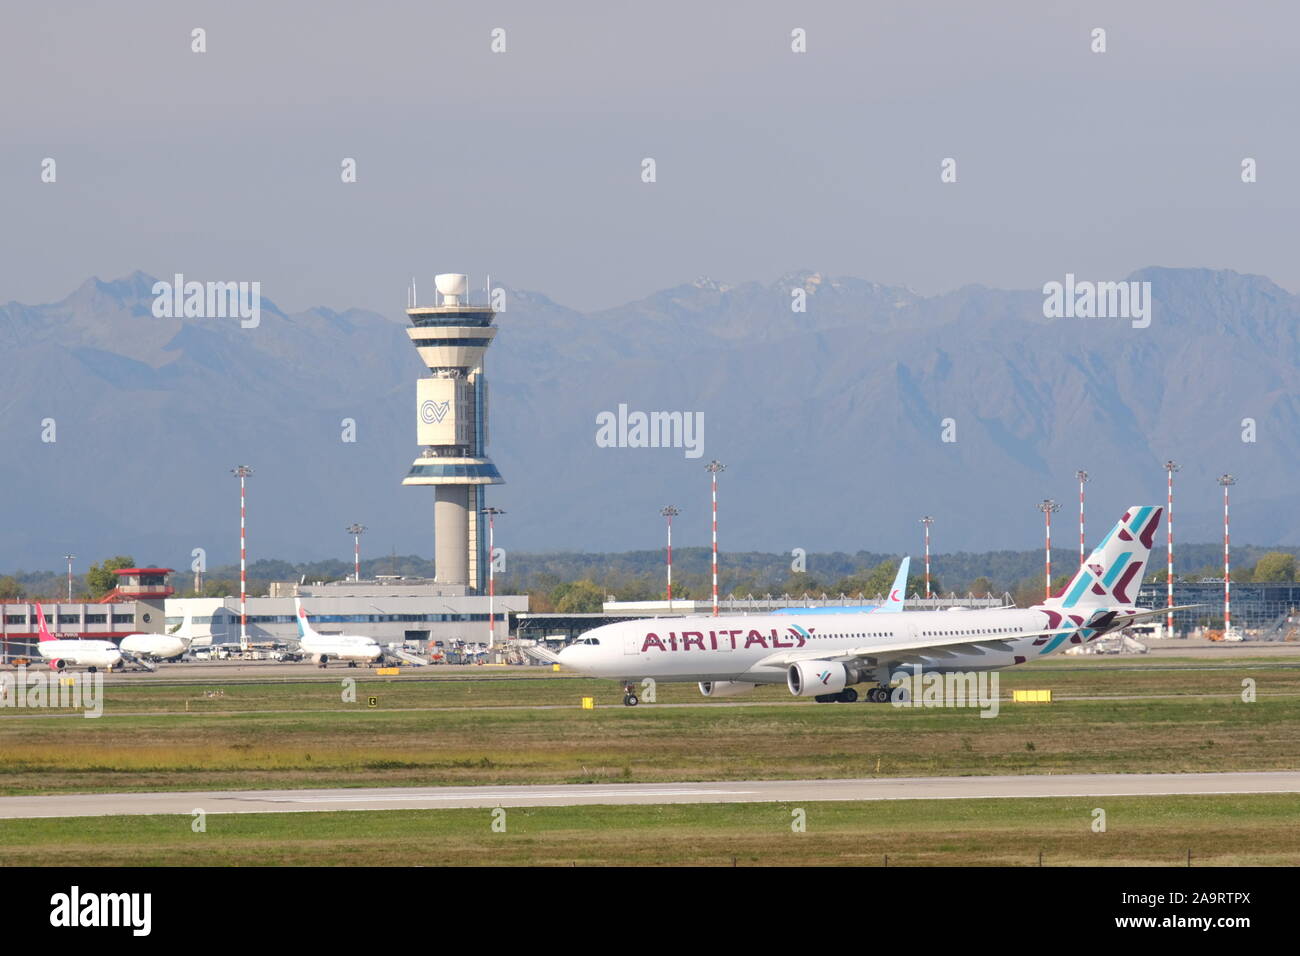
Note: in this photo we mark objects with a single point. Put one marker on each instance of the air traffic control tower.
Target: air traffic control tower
(451, 423)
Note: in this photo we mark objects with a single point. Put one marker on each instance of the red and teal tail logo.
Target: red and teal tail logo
(1113, 572)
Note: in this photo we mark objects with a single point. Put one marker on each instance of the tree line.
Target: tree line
(580, 582)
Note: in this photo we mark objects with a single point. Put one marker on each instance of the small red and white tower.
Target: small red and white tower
(1227, 481)
(1083, 478)
(714, 468)
(242, 472)
(492, 578)
(146, 588)
(1047, 506)
(927, 521)
(670, 513)
(356, 530)
(1171, 466)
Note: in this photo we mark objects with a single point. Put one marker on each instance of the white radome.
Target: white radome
(452, 285)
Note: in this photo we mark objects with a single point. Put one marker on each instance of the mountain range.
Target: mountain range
(831, 421)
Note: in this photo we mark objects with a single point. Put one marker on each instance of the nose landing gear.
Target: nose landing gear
(630, 699)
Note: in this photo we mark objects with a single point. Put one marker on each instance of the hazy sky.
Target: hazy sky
(526, 164)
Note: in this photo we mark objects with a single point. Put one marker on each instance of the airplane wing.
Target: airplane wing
(1105, 621)
(936, 647)
(1160, 612)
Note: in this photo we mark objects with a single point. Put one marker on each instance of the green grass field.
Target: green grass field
(1155, 831)
(1178, 716)
(322, 690)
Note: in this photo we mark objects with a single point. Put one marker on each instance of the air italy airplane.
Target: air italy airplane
(731, 655)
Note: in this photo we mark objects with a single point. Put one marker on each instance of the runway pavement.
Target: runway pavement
(744, 791)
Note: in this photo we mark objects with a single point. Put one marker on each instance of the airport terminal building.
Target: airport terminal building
(1263, 607)
(391, 610)
(412, 611)
(137, 605)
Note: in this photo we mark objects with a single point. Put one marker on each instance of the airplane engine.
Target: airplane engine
(815, 678)
(725, 688)
(58, 664)
(322, 659)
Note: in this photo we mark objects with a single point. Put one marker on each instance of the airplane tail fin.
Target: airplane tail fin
(185, 630)
(1113, 572)
(898, 593)
(304, 625)
(40, 620)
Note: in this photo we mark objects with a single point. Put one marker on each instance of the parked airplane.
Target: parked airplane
(893, 603)
(732, 655)
(77, 652)
(147, 649)
(340, 647)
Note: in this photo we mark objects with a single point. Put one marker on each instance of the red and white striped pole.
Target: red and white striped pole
(927, 521)
(713, 468)
(1227, 481)
(1047, 506)
(1171, 466)
(356, 530)
(492, 578)
(1083, 477)
(242, 471)
(670, 512)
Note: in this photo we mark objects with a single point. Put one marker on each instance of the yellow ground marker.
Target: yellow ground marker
(1031, 696)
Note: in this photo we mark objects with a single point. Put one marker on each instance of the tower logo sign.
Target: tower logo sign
(432, 413)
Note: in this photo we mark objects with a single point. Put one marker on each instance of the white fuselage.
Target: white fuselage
(734, 648)
(340, 647)
(156, 646)
(81, 653)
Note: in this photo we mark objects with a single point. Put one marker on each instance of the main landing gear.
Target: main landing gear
(877, 695)
(630, 699)
(847, 696)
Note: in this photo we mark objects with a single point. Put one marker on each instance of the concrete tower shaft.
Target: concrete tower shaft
(452, 338)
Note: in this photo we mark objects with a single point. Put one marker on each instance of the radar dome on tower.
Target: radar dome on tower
(451, 286)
